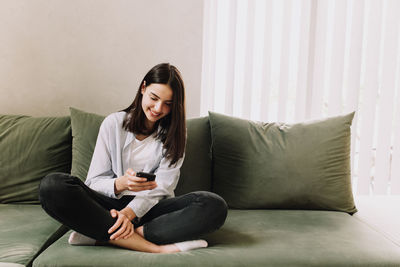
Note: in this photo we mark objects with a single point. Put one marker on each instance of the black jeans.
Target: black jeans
(67, 199)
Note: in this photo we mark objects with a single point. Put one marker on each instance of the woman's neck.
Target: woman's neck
(150, 126)
(141, 137)
(149, 130)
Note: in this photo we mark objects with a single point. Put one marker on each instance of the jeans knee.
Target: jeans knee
(50, 186)
(214, 207)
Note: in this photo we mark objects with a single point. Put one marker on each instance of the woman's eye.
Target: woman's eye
(169, 104)
(152, 98)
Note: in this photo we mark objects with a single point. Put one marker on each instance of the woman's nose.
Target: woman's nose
(157, 107)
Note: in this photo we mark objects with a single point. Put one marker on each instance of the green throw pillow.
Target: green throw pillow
(283, 166)
(85, 128)
(31, 148)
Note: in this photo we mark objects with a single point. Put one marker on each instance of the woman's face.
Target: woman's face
(156, 101)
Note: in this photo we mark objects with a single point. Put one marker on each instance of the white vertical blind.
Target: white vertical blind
(291, 61)
(319, 76)
(395, 138)
(249, 39)
(311, 56)
(305, 16)
(230, 61)
(221, 55)
(284, 58)
(240, 58)
(266, 55)
(370, 93)
(353, 69)
(258, 57)
(385, 100)
(395, 160)
(335, 81)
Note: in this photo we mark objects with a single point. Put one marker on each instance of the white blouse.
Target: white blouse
(117, 150)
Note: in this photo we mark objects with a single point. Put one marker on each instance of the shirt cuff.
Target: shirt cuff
(141, 206)
(105, 186)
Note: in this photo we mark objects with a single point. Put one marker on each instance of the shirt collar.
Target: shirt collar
(129, 139)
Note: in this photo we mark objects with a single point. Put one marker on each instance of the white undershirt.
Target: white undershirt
(140, 156)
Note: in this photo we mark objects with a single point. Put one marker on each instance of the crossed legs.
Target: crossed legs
(70, 201)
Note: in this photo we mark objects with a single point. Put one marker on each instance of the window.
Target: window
(291, 61)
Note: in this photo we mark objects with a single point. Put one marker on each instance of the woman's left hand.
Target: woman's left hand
(129, 181)
(124, 224)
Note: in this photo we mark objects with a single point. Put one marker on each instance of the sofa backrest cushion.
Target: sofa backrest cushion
(196, 168)
(85, 128)
(283, 166)
(31, 148)
(195, 171)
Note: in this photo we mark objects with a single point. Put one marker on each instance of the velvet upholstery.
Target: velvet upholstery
(283, 166)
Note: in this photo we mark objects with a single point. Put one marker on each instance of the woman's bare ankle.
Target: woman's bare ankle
(171, 248)
(137, 243)
(139, 231)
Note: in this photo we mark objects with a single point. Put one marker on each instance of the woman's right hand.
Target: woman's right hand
(123, 227)
(130, 182)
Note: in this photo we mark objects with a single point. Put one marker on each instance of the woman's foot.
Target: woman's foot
(78, 239)
(178, 247)
(184, 246)
(192, 244)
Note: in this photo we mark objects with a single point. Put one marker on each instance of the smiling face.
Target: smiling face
(156, 102)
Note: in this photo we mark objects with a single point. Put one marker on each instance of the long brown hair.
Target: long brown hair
(172, 132)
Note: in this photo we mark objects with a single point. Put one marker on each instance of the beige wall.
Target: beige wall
(92, 54)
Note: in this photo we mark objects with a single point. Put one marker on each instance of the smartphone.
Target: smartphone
(149, 176)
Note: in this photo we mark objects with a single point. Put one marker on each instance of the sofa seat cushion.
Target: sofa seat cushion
(254, 238)
(25, 230)
(9, 264)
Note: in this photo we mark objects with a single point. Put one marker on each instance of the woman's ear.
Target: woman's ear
(143, 89)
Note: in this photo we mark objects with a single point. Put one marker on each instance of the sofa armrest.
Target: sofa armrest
(381, 213)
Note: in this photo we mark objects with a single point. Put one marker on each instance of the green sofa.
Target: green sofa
(287, 185)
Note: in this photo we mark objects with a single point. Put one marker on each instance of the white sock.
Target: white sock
(80, 240)
(192, 244)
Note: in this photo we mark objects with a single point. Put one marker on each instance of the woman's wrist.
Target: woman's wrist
(129, 213)
(118, 185)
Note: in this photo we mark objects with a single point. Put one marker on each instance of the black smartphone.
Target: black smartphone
(149, 176)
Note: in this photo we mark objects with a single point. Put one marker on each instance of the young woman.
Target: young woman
(114, 205)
